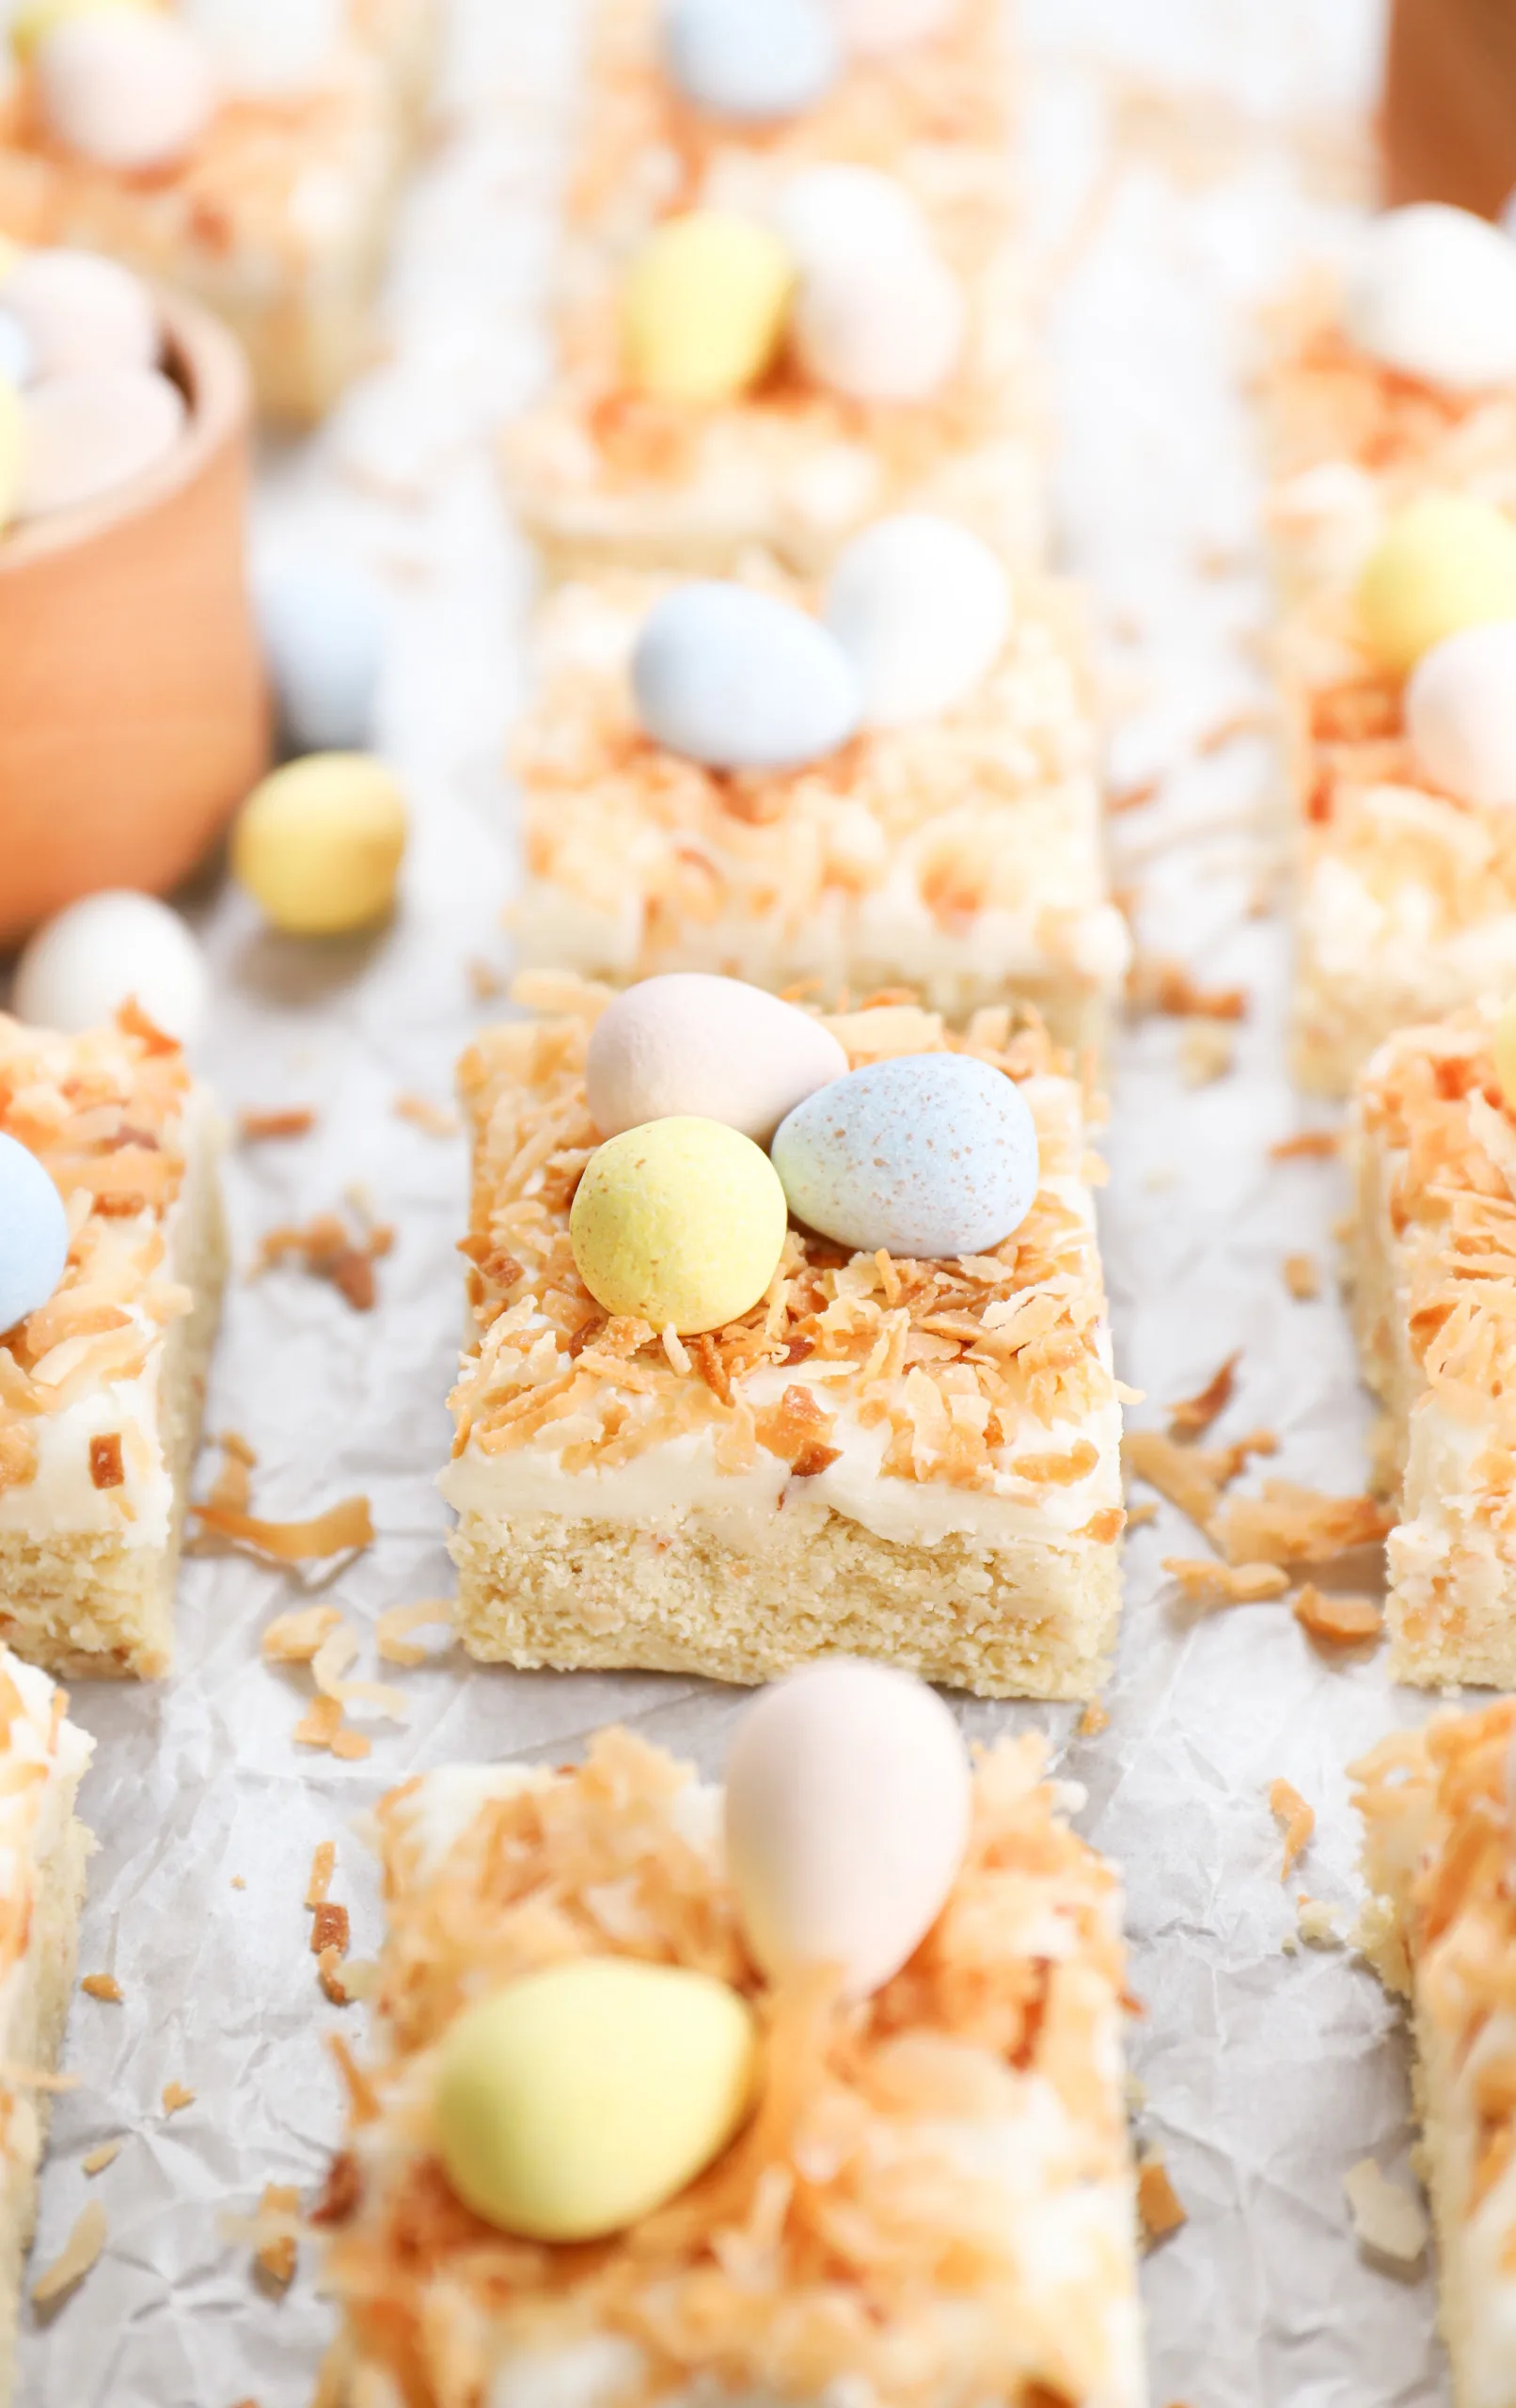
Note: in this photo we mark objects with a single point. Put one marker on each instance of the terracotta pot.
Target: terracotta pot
(132, 712)
(1448, 121)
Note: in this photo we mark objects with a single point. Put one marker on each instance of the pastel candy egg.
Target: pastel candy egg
(925, 1155)
(106, 950)
(17, 361)
(680, 1222)
(34, 1234)
(714, 1048)
(579, 2098)
(1445, 562)
(847, 1806)
(922, 609)
(882, 326)
(871, 27)
(88, 433)
(322, 628)
(754, 61)
(1504, 1048)
(1433, 293)
(705, 304)
(741, 680)
(126, 87)
(1461, 713)
(318, 843)
(836, 210)
(79, 311)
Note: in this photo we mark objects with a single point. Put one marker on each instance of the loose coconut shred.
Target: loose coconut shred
(835, 2240)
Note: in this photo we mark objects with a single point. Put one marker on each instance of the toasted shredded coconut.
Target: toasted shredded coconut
(1192, 1417)
(1208, 1049)
(1296, 1821)
(1191, 1477)
(1094, 1719)
(278, 2218)
(1339, 1621)
(1205, 1582)
(1386, 2218)
(286, 1121)
(323, 1727)
(327, 1249)
(1317, 1923)
(1307, 1145)
(343, 1527)
(295, 1637)
(1160, 985)
(392, 1631)
(1301, 1277)
(1288, 1524)
(322, 1867)
(96, 2160)
(434, 1119)
(175, 2096)
(78, 2255)
(1158, 2202)
(103, 1986)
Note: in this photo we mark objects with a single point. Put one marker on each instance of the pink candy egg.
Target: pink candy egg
(885, 324)
(87, 434)
(128, 88)
(79, 311)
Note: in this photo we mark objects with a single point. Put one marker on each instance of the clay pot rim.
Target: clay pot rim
(206, 362)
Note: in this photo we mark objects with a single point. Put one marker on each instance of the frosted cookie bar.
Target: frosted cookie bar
(911, 1453)
(962, 855)
(43, 1849)
(1431, 1247)
(101, 1381)
(929, 2189)
(1440, 1929)
(263, 187)
(1391, 377)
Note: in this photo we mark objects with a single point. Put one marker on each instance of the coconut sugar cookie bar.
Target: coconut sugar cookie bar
(933, 2195)
(918, 1460)
(961, 856)
(42, 1759)
(1433, 1260)
(277, 216)
(1441, 1929)
(101, 1387)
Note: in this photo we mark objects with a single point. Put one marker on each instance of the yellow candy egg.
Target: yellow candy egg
(581, 2098)
(680, 1220)
(1503, 1046)
(1446, 562)
(31, 24)
(704, 307)
(318, 843)
(12, 449)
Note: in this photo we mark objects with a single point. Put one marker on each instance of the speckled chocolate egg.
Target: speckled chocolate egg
(126, 87)
(87, 434)
(322, 626)
(1433, 293)
(847, 1806)
(753, 60)
(34, 1234)
(740, 680)
(108, 949)
(79, 311)
(886, 324)
(927, 1155)
(712, 1047)
(681, 1222)
(1461, 714)
(921, 607)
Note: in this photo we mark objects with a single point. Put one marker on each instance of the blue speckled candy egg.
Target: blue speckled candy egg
(34, 1234)
(929, 1154)
(322, 626)
(752, 59)
(739, 680)
(18, 355)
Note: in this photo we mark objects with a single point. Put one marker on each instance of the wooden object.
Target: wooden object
(1448, 120)
(133, 717)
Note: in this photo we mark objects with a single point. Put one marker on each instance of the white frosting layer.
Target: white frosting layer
(31, 1828)
(62, 1498)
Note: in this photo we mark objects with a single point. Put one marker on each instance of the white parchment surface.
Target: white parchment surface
(1179, 157)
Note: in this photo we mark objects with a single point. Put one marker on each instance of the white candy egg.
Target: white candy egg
(880, 326)
(1461, 713)
(835, 212)
(847, 1805)
(870, 27)
(322, 626)
(79, 311)
(87, 434)
(127, 88)
(274, 46)
(923, 609)
(712, 1047)
(1433, 293)
(83, 965)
